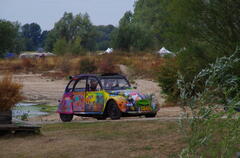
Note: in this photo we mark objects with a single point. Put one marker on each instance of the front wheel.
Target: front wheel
(150, 115)
(66, 117)
(101, 117)
(113, 111)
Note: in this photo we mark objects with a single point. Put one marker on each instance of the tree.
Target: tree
(153, 14)
(203, 30)
(50, 40)
(43, 38)
(72, 28)
(103, 36)
(61, 46)
(76, 47)
(131, 35)
(32, 35)
(8, 35)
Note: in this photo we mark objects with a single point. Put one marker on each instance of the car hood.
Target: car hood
(129, 94)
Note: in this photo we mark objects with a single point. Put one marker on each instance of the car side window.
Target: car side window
(70, 86)
(93, 84)
(80, 85)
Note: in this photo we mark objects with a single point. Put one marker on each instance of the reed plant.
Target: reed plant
(10, 93)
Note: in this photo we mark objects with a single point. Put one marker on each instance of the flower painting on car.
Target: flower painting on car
(102, 96)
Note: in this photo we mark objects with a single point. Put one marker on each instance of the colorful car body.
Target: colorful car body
(91, 95)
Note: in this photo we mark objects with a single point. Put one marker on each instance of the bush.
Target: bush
(65, 65)
(10, 93)
(87, 65)
(27, 63)
(107, 65)
(167, 78)
(15, 66)
(210, 131)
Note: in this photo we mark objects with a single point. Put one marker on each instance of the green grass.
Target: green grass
(47, 108)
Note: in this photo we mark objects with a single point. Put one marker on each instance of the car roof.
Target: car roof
(95, 75)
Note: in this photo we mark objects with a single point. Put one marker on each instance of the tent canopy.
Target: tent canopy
(109, 50)
(163, 51)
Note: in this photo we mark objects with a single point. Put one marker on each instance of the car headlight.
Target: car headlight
(154, 101)
(130, 99)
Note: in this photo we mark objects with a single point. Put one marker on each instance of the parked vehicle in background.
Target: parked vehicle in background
(102, 96)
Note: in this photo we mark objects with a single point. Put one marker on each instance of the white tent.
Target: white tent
(163, 51)
(109, 50)
(35, 55)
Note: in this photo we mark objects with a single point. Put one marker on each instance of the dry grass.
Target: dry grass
(143, 65)
(102, 139)
(10, 93)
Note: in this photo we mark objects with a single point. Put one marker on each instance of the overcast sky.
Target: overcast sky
(47, 12)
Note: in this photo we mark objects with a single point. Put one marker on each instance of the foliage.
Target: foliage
(8, 36)
(154, 15)
(77, 31)
(32, 36)
(76, 47)
(10, 93)
(131, 35)
(167, 78)
(198, 31)
(107, 64)
(103, 36)
(61, 46)
(65, 65)
(213, 24)
(16, 38)
(210, 131)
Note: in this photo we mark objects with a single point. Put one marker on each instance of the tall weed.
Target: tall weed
(210, 131)
(10, 93)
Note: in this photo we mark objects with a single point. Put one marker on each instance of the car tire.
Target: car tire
(150, 115)
(101, 117)
(66, 117)
(113, 111)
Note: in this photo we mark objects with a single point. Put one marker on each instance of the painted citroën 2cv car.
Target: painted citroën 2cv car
(102, 96)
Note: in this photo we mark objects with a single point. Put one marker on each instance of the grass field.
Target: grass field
(140, 139)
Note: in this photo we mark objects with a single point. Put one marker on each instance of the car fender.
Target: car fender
(120, 101)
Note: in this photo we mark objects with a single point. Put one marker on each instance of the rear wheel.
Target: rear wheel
(150, 115)
(66, 117)
(113, 111)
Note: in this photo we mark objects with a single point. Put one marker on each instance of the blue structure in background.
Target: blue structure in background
(9, 55)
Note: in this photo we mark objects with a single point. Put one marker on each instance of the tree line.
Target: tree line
(71, 34)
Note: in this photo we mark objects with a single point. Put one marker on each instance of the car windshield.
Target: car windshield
(114, 83)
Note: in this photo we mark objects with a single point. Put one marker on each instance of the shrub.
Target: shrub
(87, 65)
(27, 63)
(65, 65)
(61, 46)
(210, 131)
(167, 78)
(10, 93)
(107, 65)
(15, 66)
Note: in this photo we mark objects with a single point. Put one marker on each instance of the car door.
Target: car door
(65, 105)
(94, 96)
(79, 93)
